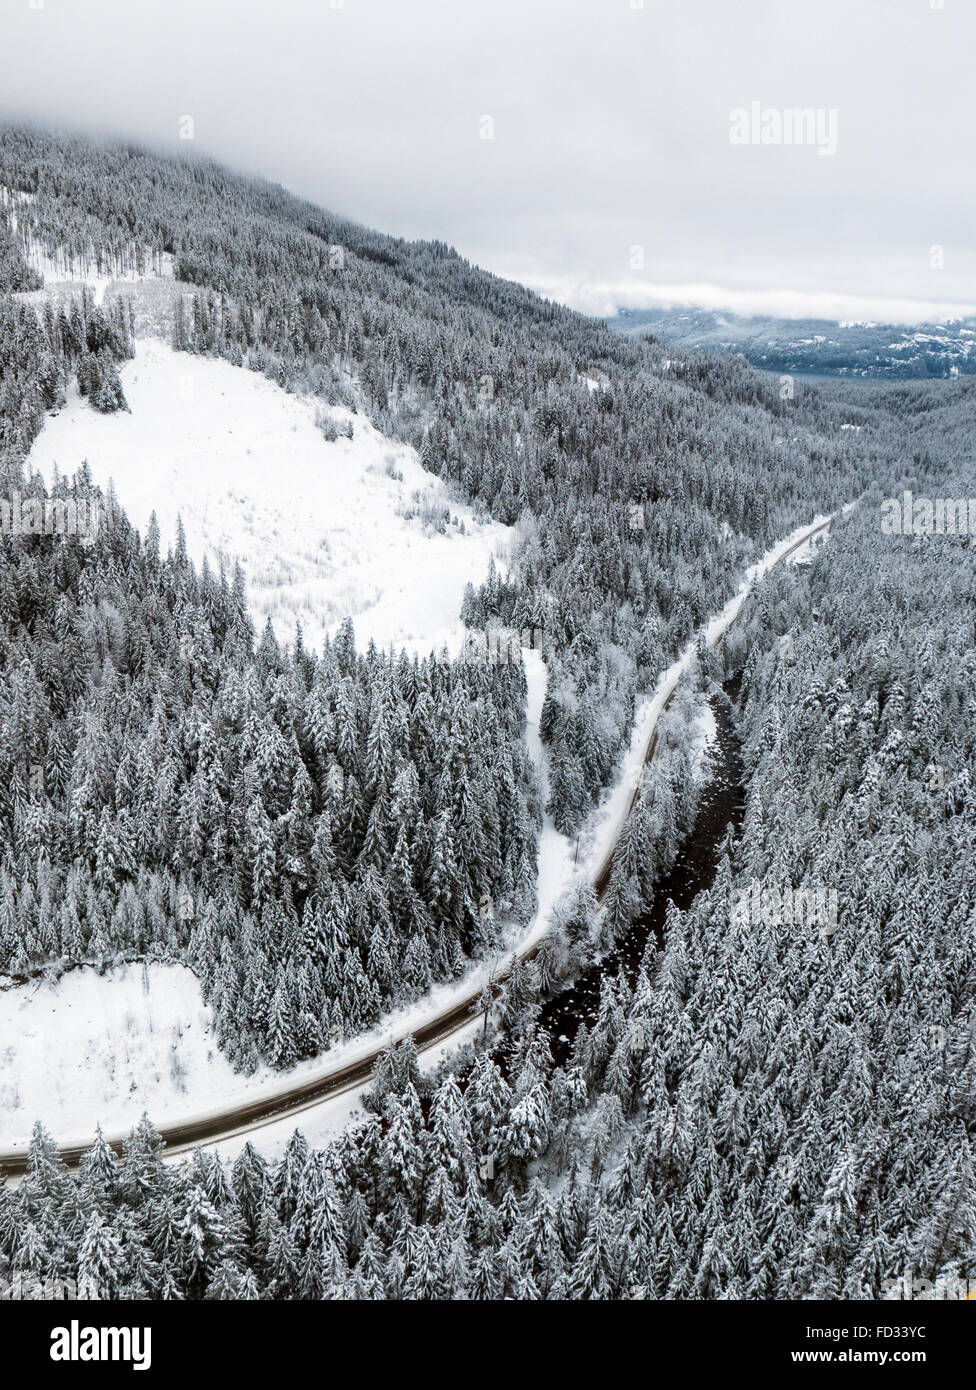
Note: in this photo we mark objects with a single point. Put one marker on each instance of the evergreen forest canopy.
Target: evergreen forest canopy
(640, 503)
(760, 1112)
(756, 1111)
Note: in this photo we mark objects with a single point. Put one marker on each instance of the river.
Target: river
(721, 805)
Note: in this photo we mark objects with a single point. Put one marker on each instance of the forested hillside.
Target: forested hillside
(640, 501)
(765, 1110)
(762, 1106)
(319, 836)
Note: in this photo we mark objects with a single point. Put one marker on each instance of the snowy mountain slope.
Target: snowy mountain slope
(323, 529)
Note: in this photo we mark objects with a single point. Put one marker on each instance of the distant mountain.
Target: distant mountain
(818, 346)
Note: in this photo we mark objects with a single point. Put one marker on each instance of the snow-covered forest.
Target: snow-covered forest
(642, 501)
(758, 1113)
(761, 1109)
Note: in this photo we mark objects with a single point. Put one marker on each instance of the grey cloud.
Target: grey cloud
(610, 125)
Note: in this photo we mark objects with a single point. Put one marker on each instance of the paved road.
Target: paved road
(290, 1100)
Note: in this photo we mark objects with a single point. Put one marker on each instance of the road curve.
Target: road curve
(291, 1100)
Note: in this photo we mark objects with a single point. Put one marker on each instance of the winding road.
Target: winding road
(291, 1099)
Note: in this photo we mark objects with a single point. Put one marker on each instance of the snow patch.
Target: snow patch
(102, 1048)
(324, 529)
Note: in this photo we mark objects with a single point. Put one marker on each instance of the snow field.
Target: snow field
(323, 530)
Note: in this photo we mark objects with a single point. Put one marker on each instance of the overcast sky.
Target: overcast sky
(610, 176)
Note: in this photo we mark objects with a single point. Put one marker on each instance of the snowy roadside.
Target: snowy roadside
(603, 827)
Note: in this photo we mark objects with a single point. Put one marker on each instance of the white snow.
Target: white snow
(102, 1048)
(596, 379)
(320, 527)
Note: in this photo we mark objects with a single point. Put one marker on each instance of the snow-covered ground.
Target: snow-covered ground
(322, 528)
(101, 1048)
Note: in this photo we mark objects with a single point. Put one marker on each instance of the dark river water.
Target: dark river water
(721, 805)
